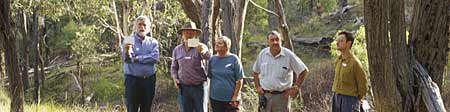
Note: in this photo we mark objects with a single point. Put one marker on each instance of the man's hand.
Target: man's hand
(202, 48)
(234, 104)
(177, 82)
(260, 91)
(293, 91)
(135, 59)
(127, 49)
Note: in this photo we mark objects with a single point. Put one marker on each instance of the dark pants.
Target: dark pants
(221, 106)
(139, 93)
(344, 103)
(192, 98)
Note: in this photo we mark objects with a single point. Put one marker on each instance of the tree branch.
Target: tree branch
(267, 10)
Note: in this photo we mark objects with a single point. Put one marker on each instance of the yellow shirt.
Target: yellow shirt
(349, 77)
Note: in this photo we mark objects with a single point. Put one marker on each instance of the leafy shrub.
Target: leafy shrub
(107, 90)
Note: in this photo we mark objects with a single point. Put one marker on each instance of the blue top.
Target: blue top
(224, 72)
(144, 58)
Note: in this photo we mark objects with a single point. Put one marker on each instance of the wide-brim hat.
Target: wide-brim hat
(190, 26)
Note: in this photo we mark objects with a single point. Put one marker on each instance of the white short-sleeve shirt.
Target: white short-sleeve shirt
(276, 72)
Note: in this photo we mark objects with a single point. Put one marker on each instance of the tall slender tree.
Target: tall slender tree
(22, 26)
(401, 65)
(35, 29)
(12, 67)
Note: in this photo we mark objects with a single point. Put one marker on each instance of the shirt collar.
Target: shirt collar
(282, 53)
(138, 39)
(346, 57)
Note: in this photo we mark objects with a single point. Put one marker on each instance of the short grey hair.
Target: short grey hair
(226, 40)
(147, 23)
(273, 32)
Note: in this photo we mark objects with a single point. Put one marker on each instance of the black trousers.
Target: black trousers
(221, 106)
(139, 93)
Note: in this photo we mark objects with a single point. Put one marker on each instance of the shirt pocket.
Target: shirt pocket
(264, 69)
(284, 72)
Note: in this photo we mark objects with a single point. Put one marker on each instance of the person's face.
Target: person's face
(342, 43)
(142, 26)
(188, 34)
(274, 42)
(220, 45)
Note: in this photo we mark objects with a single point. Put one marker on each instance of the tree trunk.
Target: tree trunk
(312, 6)
(214, 23)
(119, 30)
(239, 20)
(126, 10)
(227, 15)
(380, 65)
(192, 8)
(232, 14)
(80, 77)
(36, 55)
(12, 68)
(233, 17)
(215, 17)
(401, 62)
(429, 39)
(25, 47)
(273, 21)
(283, 25)
(1, 61)
(206, 21)
(430, 36)
(41, 56)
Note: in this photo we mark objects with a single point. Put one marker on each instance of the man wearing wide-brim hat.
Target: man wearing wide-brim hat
(188, 70)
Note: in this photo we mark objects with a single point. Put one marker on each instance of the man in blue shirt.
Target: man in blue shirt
(140, 54)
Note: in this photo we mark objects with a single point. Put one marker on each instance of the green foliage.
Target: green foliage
(256, 20)
(358, 48)
(86, 42)
(166, 24)
(62, 40)
(328, 5)
(107, 90)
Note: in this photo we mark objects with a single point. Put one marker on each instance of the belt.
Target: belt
(273, 92)
(141, 77)
(191, 85)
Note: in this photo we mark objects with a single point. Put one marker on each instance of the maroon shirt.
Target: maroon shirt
(188, 65)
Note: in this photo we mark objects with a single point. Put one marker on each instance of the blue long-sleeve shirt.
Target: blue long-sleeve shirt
(147, 53)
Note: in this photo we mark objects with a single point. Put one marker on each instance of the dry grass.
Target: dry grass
(316, 91)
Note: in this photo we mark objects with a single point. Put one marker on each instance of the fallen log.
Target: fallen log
(428, 89)
(314, 41)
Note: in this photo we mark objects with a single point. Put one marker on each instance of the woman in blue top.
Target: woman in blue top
(225, 73)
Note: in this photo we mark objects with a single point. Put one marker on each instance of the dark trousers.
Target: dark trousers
(192, 98)
(222, 106)
(139, 93)
(344, 103)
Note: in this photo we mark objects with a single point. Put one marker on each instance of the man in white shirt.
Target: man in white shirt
(273, 74)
